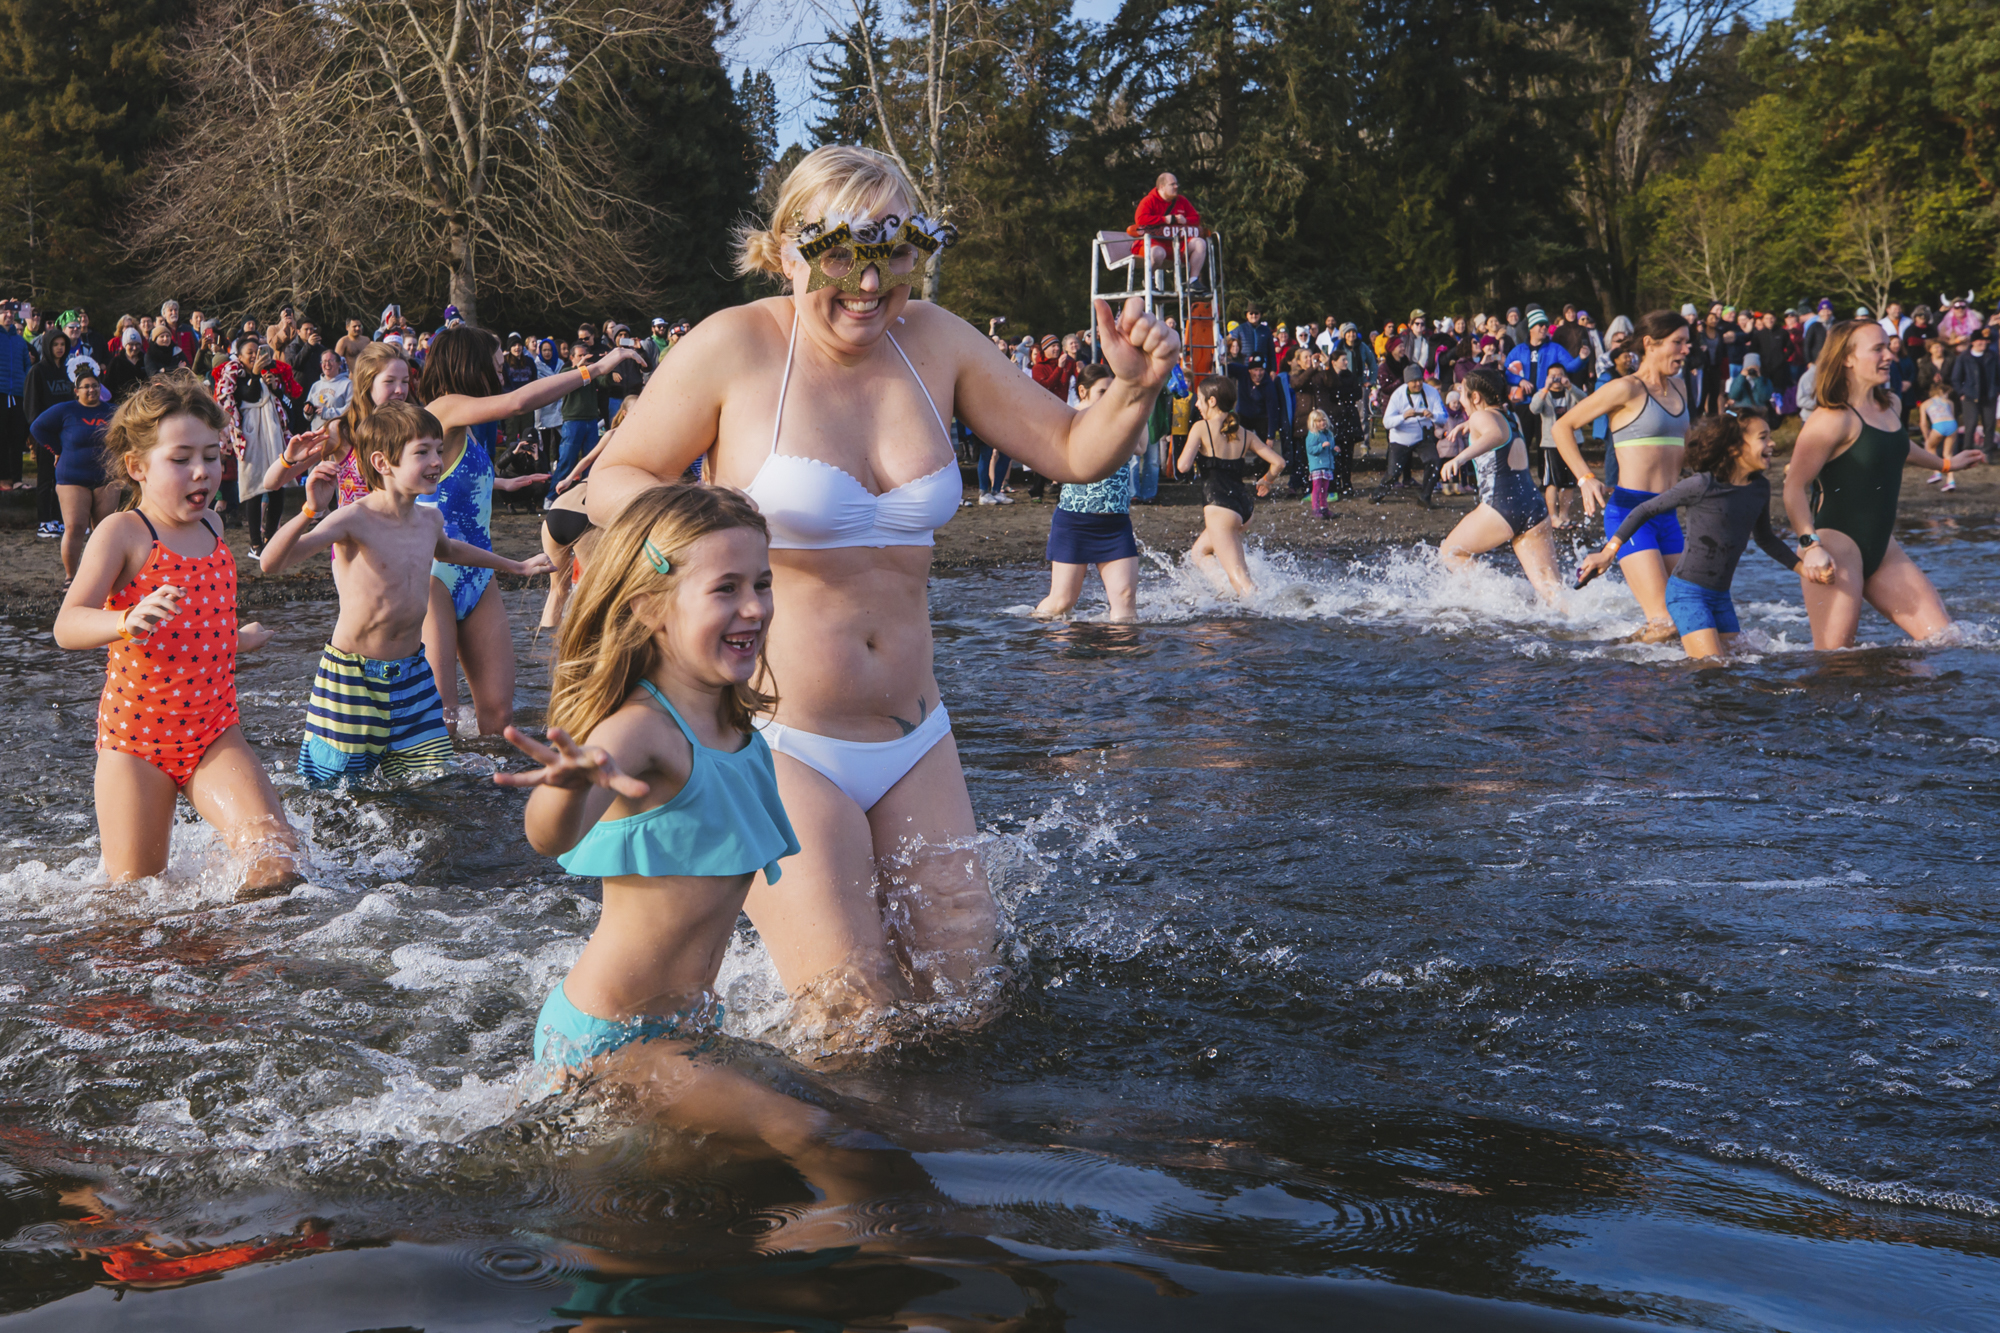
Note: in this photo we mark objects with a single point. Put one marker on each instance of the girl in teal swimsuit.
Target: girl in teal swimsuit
(667, 791)
(467, 622)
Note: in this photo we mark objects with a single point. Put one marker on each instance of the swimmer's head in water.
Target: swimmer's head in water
(839, 250)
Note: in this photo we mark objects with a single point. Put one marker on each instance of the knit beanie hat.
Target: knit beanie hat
(1536, 315)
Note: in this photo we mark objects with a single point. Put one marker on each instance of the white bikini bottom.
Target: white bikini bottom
(865, 770)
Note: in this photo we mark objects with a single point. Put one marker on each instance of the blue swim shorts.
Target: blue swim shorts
(1694, 607)
(1662, 534)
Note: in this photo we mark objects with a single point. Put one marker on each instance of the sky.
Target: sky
(776, 36)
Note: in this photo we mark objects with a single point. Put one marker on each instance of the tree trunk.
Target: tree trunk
(464, 283)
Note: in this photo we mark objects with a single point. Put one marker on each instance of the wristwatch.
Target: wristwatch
(1808, 539)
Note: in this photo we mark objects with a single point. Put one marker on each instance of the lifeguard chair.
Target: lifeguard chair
(1121, 267)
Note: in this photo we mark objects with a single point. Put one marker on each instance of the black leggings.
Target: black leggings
(267, 515)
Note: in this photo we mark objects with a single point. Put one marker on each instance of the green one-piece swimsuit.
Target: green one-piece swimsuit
(1859, 489)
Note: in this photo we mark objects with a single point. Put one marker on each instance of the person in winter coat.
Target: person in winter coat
(17, 361)
(1972, 379)
(1751, 387)
(1530, 363)
(48, 384)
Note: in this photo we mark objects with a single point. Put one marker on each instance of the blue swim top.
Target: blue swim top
(726, 820)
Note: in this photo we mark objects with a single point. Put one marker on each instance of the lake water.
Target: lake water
(1391, 952)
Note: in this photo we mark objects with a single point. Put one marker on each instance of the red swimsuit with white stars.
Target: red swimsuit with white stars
(168, 698)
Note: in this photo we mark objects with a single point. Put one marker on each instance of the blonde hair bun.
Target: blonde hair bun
(839, 178)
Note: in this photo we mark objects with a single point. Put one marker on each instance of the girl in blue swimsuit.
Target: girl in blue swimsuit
(467, 622)
(667, 791)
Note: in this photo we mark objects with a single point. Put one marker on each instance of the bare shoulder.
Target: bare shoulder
(643, 739)
(738, 330)
(124, 529)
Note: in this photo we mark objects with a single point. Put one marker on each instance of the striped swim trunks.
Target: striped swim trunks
(363, 714)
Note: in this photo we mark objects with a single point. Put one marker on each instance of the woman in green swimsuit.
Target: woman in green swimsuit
(1856, 447)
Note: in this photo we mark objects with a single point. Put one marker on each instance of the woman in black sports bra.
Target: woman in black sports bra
(1220, 450)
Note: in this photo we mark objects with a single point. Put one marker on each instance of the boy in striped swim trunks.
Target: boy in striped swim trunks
(374, 700)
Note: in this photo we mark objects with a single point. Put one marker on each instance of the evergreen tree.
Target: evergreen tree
(86, 90)
(840, 74)
(693, 153)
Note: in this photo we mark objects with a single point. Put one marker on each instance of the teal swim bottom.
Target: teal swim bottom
(566, 1036)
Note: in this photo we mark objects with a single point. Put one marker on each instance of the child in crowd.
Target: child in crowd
(1940, 417)
(1092, 525)
(1322, 458)
(1556, 396)
(654, 777)
(158, 585)
(1729, 502)
(374, 700)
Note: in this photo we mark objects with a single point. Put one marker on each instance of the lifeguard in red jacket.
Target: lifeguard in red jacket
(1165, 206)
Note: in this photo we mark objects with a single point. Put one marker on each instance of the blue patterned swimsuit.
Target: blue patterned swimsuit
(465, 498)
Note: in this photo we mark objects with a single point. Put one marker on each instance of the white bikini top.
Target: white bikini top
(808, 510)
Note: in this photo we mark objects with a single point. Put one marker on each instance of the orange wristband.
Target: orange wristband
(124, 633)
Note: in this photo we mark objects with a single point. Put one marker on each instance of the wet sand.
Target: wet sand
(981, 536)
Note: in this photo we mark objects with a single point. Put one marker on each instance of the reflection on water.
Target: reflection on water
(1394, 949)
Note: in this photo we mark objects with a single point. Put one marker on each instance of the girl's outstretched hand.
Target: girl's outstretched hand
(1594, 564)
(567, 765)
(250, 636)
(154, 609)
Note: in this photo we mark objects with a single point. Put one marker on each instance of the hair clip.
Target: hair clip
(658, 559)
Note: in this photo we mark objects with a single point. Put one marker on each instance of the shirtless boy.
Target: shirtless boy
(374, 701)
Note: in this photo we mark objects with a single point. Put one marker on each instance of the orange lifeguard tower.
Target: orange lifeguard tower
(1122, 266)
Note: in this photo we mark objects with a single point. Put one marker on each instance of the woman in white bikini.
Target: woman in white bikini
(829, 408)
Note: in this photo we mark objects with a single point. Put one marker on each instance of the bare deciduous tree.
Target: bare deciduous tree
(911, 80)
(1710, 247)
(355, 148)
(1869, 243)
(1648, 82)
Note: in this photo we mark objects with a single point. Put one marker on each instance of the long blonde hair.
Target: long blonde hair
(605, 649)
(838, 178)
(369, 363)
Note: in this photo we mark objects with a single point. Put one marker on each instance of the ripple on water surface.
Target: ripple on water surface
(1393, 927)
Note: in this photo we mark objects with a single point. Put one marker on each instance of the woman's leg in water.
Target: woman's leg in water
(1065, 586)
(1834, 609)
(1121, 587)
(880, 900)
(1481, 530)
(941, 918)
(823, 923)
(1646, 575)
(1536, 550)
(1902, 592)
(1224, 535)
(486, 652)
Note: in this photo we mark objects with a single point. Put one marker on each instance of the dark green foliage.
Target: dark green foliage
(84, 92)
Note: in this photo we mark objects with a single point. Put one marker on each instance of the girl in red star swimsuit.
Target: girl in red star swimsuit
(158, 586)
